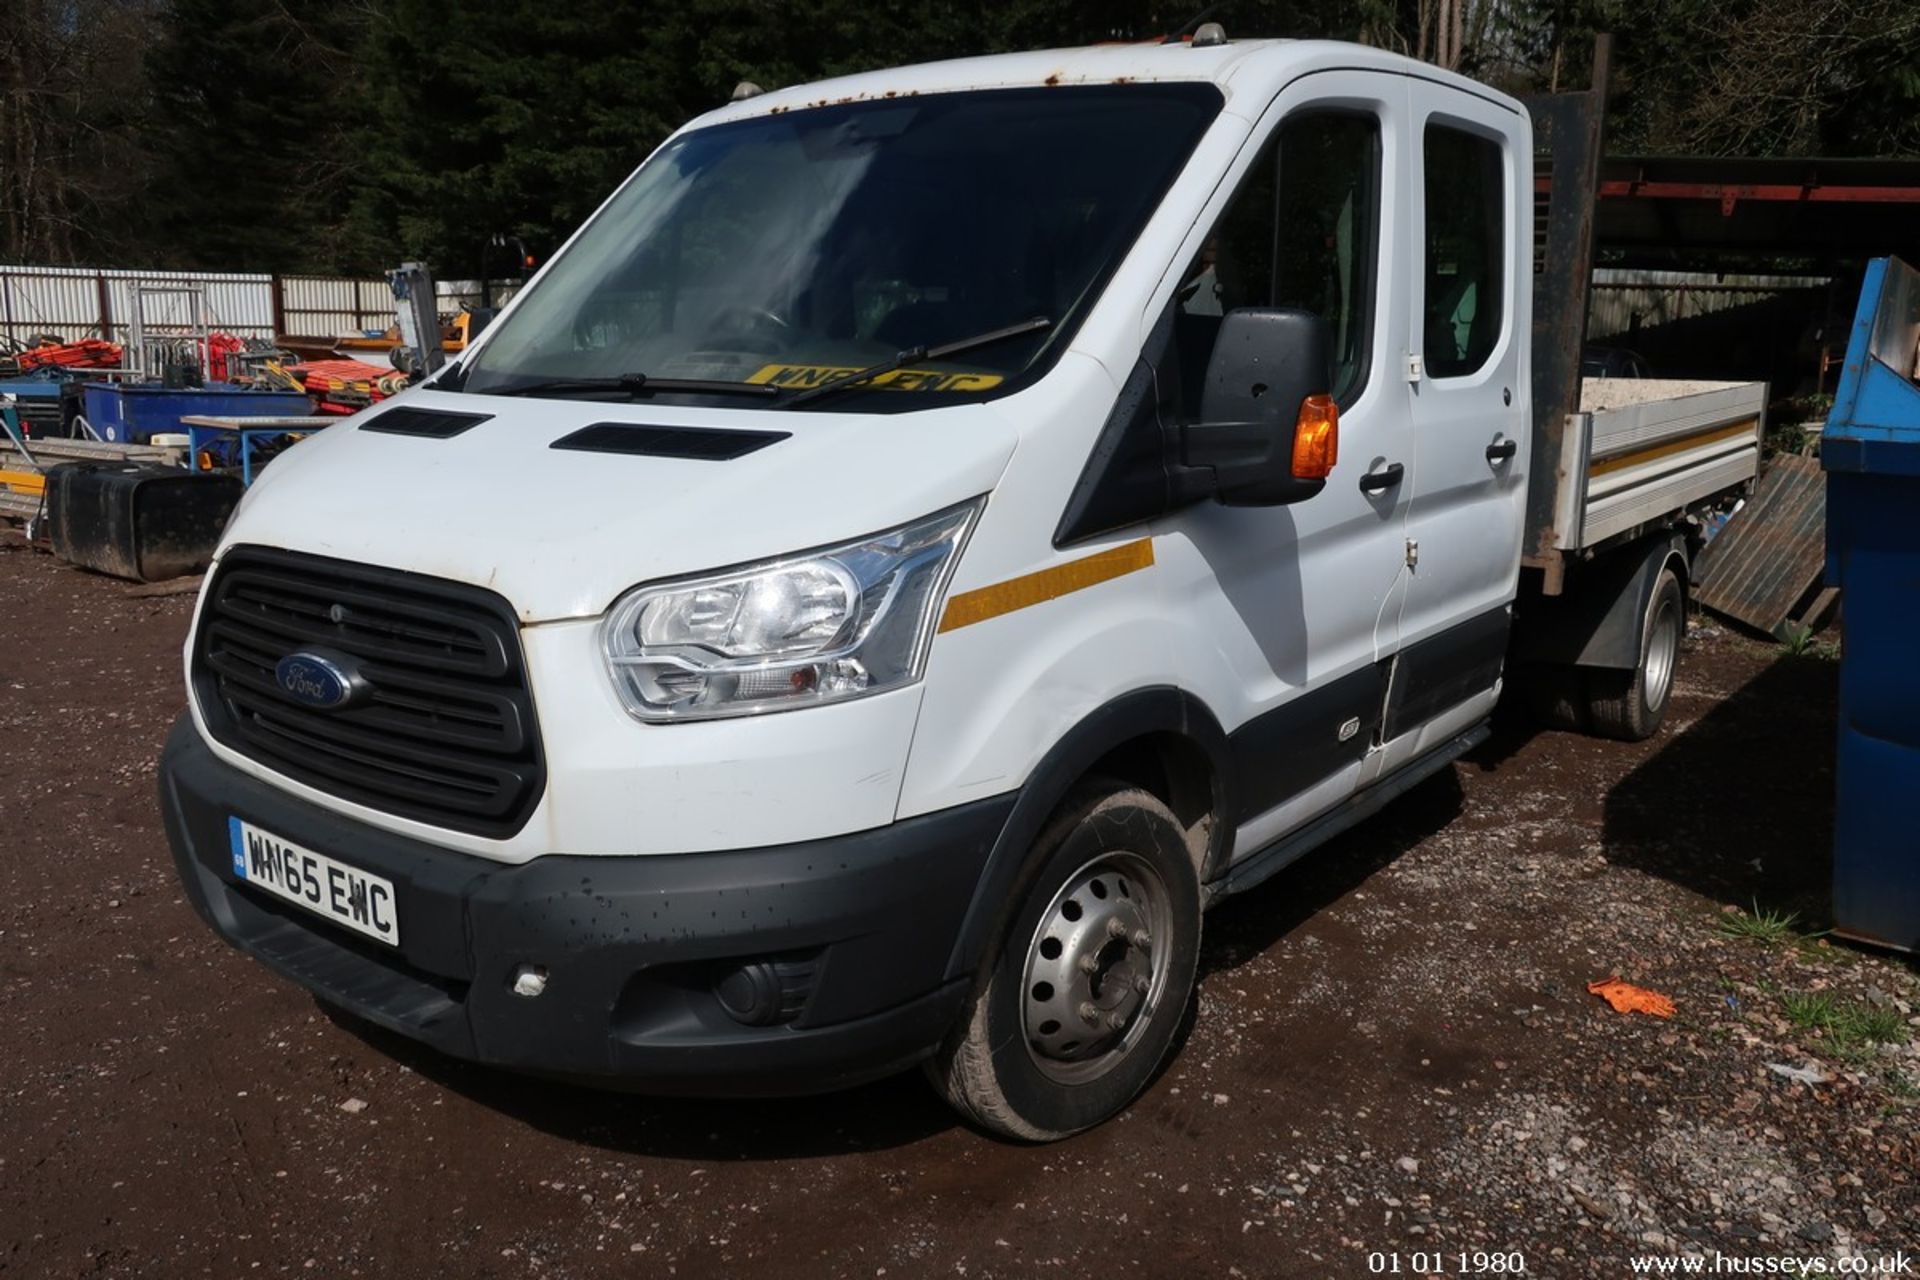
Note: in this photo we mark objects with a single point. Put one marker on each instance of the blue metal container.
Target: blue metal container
(130, 413)
(31, 385)
(1871, 454)
(37, 400)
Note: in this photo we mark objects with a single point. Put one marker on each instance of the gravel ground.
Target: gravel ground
(1393, 1050)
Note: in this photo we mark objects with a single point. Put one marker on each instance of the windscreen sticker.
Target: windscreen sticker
(800, 376)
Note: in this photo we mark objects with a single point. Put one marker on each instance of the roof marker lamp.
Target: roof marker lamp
(821, 626)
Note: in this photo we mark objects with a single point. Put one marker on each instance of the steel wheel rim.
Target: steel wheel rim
(1096, 967)
(1661, 647)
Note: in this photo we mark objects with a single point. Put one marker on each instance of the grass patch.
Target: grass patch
(1798, 641)
(1810, 1010)
(1882, 1026)
(1758, 925)
(1848, 1028)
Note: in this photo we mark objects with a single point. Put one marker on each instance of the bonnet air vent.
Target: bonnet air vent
(424, 422)
(700, 443)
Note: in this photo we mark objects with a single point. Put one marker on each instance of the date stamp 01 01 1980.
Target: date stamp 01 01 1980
(1428, 1263)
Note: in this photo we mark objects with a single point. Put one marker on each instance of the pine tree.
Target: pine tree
(252, 106)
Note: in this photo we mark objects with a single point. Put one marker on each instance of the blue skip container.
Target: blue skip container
(130, 413)
(1870, 451)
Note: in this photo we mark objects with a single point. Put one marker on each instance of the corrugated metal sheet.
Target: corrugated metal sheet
(321, 306)
(34, 301)
(240, 305)
(1770, 557)
(80, 302)
(1623, 301)
(77, 302)
(454, 294)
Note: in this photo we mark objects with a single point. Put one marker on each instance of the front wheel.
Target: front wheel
(1075, 1008)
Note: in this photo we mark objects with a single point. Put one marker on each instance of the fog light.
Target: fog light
(766, 992)
(529, 980)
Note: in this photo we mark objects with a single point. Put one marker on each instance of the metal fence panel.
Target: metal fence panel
(47, 300)
(454, 294)
(322, 306)
(238, 304)
(78, 302)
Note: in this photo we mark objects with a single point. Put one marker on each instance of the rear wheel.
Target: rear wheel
(1075, 1008)
(1629, 705)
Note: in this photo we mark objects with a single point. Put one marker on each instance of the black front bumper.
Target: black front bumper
(631, 945)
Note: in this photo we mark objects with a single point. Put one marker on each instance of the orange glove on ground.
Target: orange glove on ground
(1627, 998)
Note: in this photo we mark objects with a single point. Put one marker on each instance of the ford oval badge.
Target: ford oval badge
(318, 680)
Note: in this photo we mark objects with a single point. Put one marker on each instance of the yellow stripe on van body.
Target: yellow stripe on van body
(1043, 585)
(1666, 448)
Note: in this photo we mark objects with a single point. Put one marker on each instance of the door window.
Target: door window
(1466, 247)
(1300, 232)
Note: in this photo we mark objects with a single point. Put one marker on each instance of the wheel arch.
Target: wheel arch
(1597, 622)
(1161, 739)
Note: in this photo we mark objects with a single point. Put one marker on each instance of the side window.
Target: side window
(1300, 232)
(1466, 250)
(1235, 266)
(1329, 224)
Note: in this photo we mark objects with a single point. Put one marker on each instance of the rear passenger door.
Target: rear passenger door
(1467, 366)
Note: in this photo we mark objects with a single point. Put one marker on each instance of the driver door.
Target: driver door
(1306, 598)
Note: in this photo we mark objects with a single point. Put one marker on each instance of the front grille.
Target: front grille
(444, 733)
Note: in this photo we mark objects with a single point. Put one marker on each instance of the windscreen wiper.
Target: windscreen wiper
(633, 384)
(912, 354)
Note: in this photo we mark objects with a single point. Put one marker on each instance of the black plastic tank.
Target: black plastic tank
(138, 520)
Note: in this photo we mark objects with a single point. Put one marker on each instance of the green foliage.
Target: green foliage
(1797, 639)
(71, 97)
(1758, 926)
(1847, 1027)
(251, 108)
(520, 117)
(348, 134)
(1765, 77)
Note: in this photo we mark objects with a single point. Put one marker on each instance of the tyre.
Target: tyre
(1629, 705)
(1080, 996)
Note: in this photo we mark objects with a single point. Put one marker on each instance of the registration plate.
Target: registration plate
(345, 895)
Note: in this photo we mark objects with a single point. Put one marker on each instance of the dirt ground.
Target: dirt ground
(1393, 1050)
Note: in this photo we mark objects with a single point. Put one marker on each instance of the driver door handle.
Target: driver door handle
(1385, 478)
(1502, 450)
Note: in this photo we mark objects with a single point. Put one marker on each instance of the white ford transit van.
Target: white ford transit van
(925, 538)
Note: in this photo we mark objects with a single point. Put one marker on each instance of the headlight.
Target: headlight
(825, 625)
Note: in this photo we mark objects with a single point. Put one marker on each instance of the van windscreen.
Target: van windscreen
(792, 248)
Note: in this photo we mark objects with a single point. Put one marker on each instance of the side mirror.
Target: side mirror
(1268, 430)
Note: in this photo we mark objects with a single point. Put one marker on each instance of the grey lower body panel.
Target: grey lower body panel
(1259, 866)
